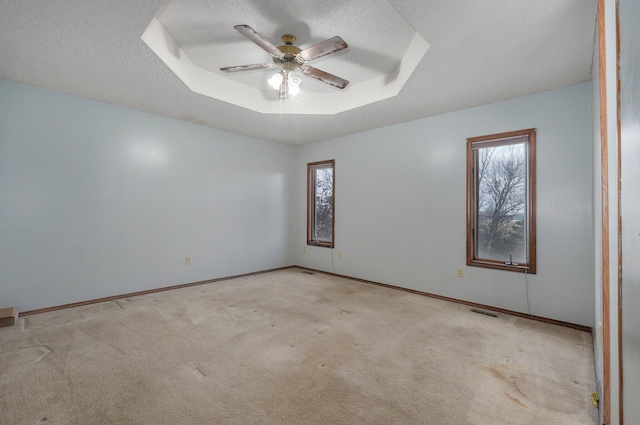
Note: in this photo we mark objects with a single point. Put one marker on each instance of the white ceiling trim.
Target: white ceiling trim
(210, 84)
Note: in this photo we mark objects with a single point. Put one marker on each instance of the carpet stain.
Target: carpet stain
(515, 400)
(515, 385)
(509, 380)
(496, 373)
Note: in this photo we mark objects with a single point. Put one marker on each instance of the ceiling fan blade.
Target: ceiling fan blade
(325, 77)
(248, 67)
(253, 35)
(316, 51)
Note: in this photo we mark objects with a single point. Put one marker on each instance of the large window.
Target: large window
(320, 203)
(501, 182)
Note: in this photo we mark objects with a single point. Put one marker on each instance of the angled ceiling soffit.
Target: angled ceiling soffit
(212, 84)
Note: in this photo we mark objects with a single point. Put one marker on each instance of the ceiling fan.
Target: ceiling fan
(291, 58)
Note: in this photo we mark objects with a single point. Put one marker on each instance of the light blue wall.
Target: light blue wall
(401, 206)
(99, 200)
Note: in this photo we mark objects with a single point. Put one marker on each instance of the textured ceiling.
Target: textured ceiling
(375, 45)
(481, 51)
(198, 64)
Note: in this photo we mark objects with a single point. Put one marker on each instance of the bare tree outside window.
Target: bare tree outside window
(501, 198)
(501, 201)
(320, 203)
(323, 218)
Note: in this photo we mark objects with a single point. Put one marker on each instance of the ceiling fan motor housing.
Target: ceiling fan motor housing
(291, 60)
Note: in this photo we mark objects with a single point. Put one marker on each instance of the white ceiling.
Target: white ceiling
(201, 28)
(481, 51)
(197, 64)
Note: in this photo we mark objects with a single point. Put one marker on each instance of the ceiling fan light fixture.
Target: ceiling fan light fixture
(286, 82)
(294, 84)
(275, 81)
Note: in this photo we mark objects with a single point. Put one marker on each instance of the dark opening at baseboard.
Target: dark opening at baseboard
(486, 313)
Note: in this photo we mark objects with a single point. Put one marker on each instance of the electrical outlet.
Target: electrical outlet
(187, 260)
(339, 254)
(460, 272)
(304, 249)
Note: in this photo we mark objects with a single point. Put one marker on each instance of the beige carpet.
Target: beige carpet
(291, 348)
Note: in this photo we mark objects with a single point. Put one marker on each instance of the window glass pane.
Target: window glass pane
(323, 217)
(501, 184)
(501, 201)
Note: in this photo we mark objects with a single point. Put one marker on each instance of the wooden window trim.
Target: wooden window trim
(531, 207)
(311, 204)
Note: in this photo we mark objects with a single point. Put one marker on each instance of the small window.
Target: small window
(501, 220)
(320, 203)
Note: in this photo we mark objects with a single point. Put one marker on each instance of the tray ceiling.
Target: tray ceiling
(478, 53)
(196, 58)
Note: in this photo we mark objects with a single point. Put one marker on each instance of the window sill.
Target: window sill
(320, 244)
(501, 266)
